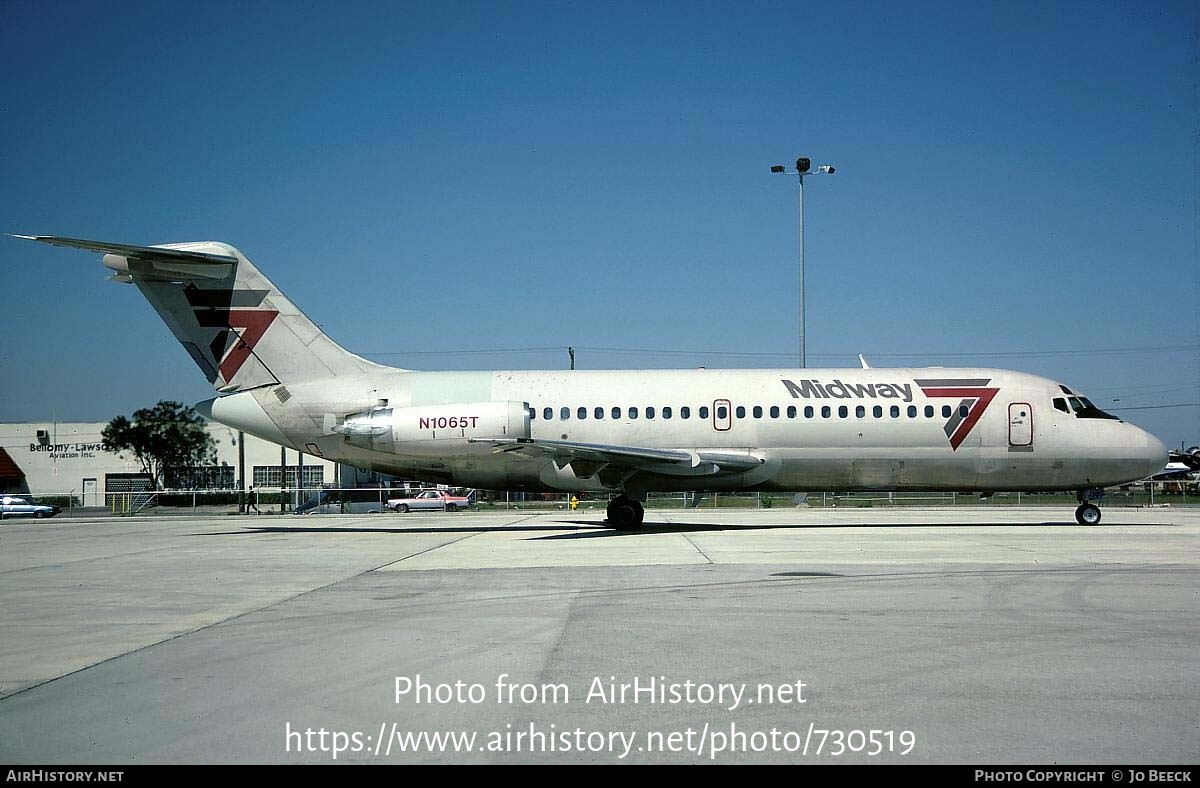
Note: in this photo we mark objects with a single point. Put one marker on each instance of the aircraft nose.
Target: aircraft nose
(1152, 453)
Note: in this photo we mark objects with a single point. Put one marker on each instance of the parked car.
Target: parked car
(16, 506)
(365, 501)
(430, 499)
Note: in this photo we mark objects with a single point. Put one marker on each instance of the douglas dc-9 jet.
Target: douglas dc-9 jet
(619, 432)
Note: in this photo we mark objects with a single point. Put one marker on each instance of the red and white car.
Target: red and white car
(437, 500)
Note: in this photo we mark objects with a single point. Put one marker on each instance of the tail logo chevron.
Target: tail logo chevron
(974, 394)
(241, 322)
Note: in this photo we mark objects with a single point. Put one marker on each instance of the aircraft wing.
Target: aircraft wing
(587, 459)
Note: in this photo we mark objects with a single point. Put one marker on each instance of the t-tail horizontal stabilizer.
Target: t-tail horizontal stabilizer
(237, 326)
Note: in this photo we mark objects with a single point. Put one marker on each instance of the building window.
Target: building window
(201, 477)
(270, 476)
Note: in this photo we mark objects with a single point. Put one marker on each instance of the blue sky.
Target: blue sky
(1016, 187)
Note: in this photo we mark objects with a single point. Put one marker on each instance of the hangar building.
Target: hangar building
(70, 459)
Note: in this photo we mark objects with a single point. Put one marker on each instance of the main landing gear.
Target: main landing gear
(625, 513)
(1088, 513)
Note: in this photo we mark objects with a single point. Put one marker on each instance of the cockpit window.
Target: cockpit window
(1090, 411)
(1081, 407)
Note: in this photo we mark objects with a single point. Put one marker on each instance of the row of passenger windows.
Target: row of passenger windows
(722, 412)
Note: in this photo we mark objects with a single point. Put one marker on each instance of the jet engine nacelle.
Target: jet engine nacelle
(387, 429)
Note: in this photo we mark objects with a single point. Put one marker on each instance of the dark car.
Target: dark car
(16, 506)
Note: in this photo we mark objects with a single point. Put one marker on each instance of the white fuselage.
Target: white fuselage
(831, 429)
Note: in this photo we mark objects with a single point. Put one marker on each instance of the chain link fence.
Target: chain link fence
(328, 500)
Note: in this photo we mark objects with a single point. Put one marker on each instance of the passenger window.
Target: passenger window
(581, 414)
(704, 412)
(895, 411)
(616, 412)
(877, 411)
(963, 410)
(946, 411)
(912, 411)
(808, 411)
(685, 412)
(774, 411)
(740, 412)
(633, 412)
(791, 413)
(722, 413)
(564, 414)
(532, 413)
(860, 411)
(649, 411)
(826, 412)
(548, 414)
(666, 413)
(929, 411)
(758, 411)
(843, 412)
(599, 413)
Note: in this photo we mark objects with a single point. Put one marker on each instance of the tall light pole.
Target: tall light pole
(803, 167)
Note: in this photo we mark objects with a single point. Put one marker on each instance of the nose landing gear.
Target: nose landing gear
(1088, 513)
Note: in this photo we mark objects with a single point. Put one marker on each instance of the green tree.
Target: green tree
(169, 435)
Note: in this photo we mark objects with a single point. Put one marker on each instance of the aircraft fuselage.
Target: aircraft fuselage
(932, 429)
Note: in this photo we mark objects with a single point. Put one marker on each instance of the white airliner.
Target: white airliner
(622, 432)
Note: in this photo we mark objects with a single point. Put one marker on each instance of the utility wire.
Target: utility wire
(789, 355)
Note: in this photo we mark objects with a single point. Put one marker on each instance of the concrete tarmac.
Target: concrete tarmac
(982, 635)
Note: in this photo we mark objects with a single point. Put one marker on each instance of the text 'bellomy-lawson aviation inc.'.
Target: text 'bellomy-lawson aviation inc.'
(626, 433)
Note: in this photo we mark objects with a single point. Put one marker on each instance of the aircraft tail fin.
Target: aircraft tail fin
(237, 326)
